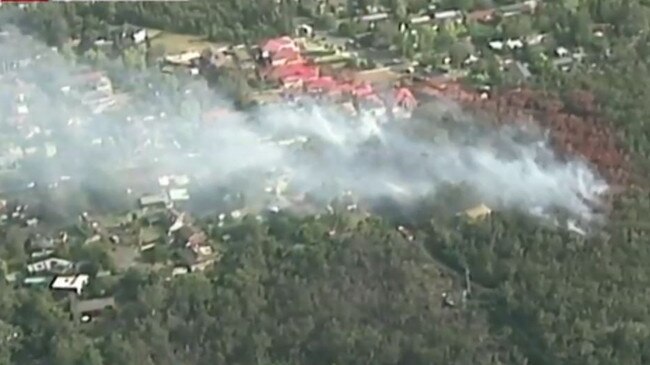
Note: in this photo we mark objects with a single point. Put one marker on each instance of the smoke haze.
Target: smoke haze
(310, 148)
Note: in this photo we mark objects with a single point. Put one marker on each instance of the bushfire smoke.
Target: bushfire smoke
(313, 148)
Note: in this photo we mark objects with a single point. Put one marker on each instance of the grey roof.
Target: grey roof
(563, 61)
(92, 305)
(161, 198)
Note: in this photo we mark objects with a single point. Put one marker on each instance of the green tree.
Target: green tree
(518, 27)
(458, 53)
(59, 32)
(134, 58)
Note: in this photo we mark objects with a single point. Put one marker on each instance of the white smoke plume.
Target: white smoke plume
(316, 148)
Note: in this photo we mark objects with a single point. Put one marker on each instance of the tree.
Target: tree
(444, 40)
(134, 58)
(458, 53)
(67, 52)
(581, 27)
(518, 27)
(327, 21)
(154, 54)
(59, 32)
(96, 57)
(398, 8)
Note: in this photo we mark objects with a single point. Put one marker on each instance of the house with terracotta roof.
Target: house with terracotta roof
(324, 84)
(276, 44)
(294, 74)
(280, 51)
(403, 102)
(286, 56)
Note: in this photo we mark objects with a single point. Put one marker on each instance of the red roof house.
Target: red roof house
(325, 84)
(363, 90)
(301, 71)
(404, 98)
(286, 56)
(274, 45)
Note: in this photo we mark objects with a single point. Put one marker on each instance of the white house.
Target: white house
(139, 36)
(53, 264)
(179, 194)
(74, 283)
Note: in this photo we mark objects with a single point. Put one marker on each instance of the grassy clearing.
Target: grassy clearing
(177, 43)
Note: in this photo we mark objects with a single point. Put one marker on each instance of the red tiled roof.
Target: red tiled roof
(285, 53)
(276, 44)
(295, 70)
(404, 98)
(326, 83)
(363, 90)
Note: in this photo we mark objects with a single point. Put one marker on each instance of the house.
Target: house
(37, 281)
(294, 75)
(484, 16)
(403, 102)
(535, 39)
(51, 265)
(561, 52)
(320, 84)
(478, 212)
(419, 20)
(405, 99)
(514, 43)
(280, 51)
(180, 270)
(374, 17)
(139, 36)
(528, 6)
(175, 180)
(563, 63)
(178, 195)
(286, 56)
(198, 258)
(448, 15)
(85, 310)
(274, 45)
(161, 199)
(190, 236)
(74, 283)
(38, 242)
(94, 80)
(183, 59)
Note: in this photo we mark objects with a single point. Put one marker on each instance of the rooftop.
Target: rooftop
(76, 282)
(93, 305)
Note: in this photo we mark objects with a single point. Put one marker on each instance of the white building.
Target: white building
(53, 264)
(74, 283)
(179, 194)
(139, 36)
